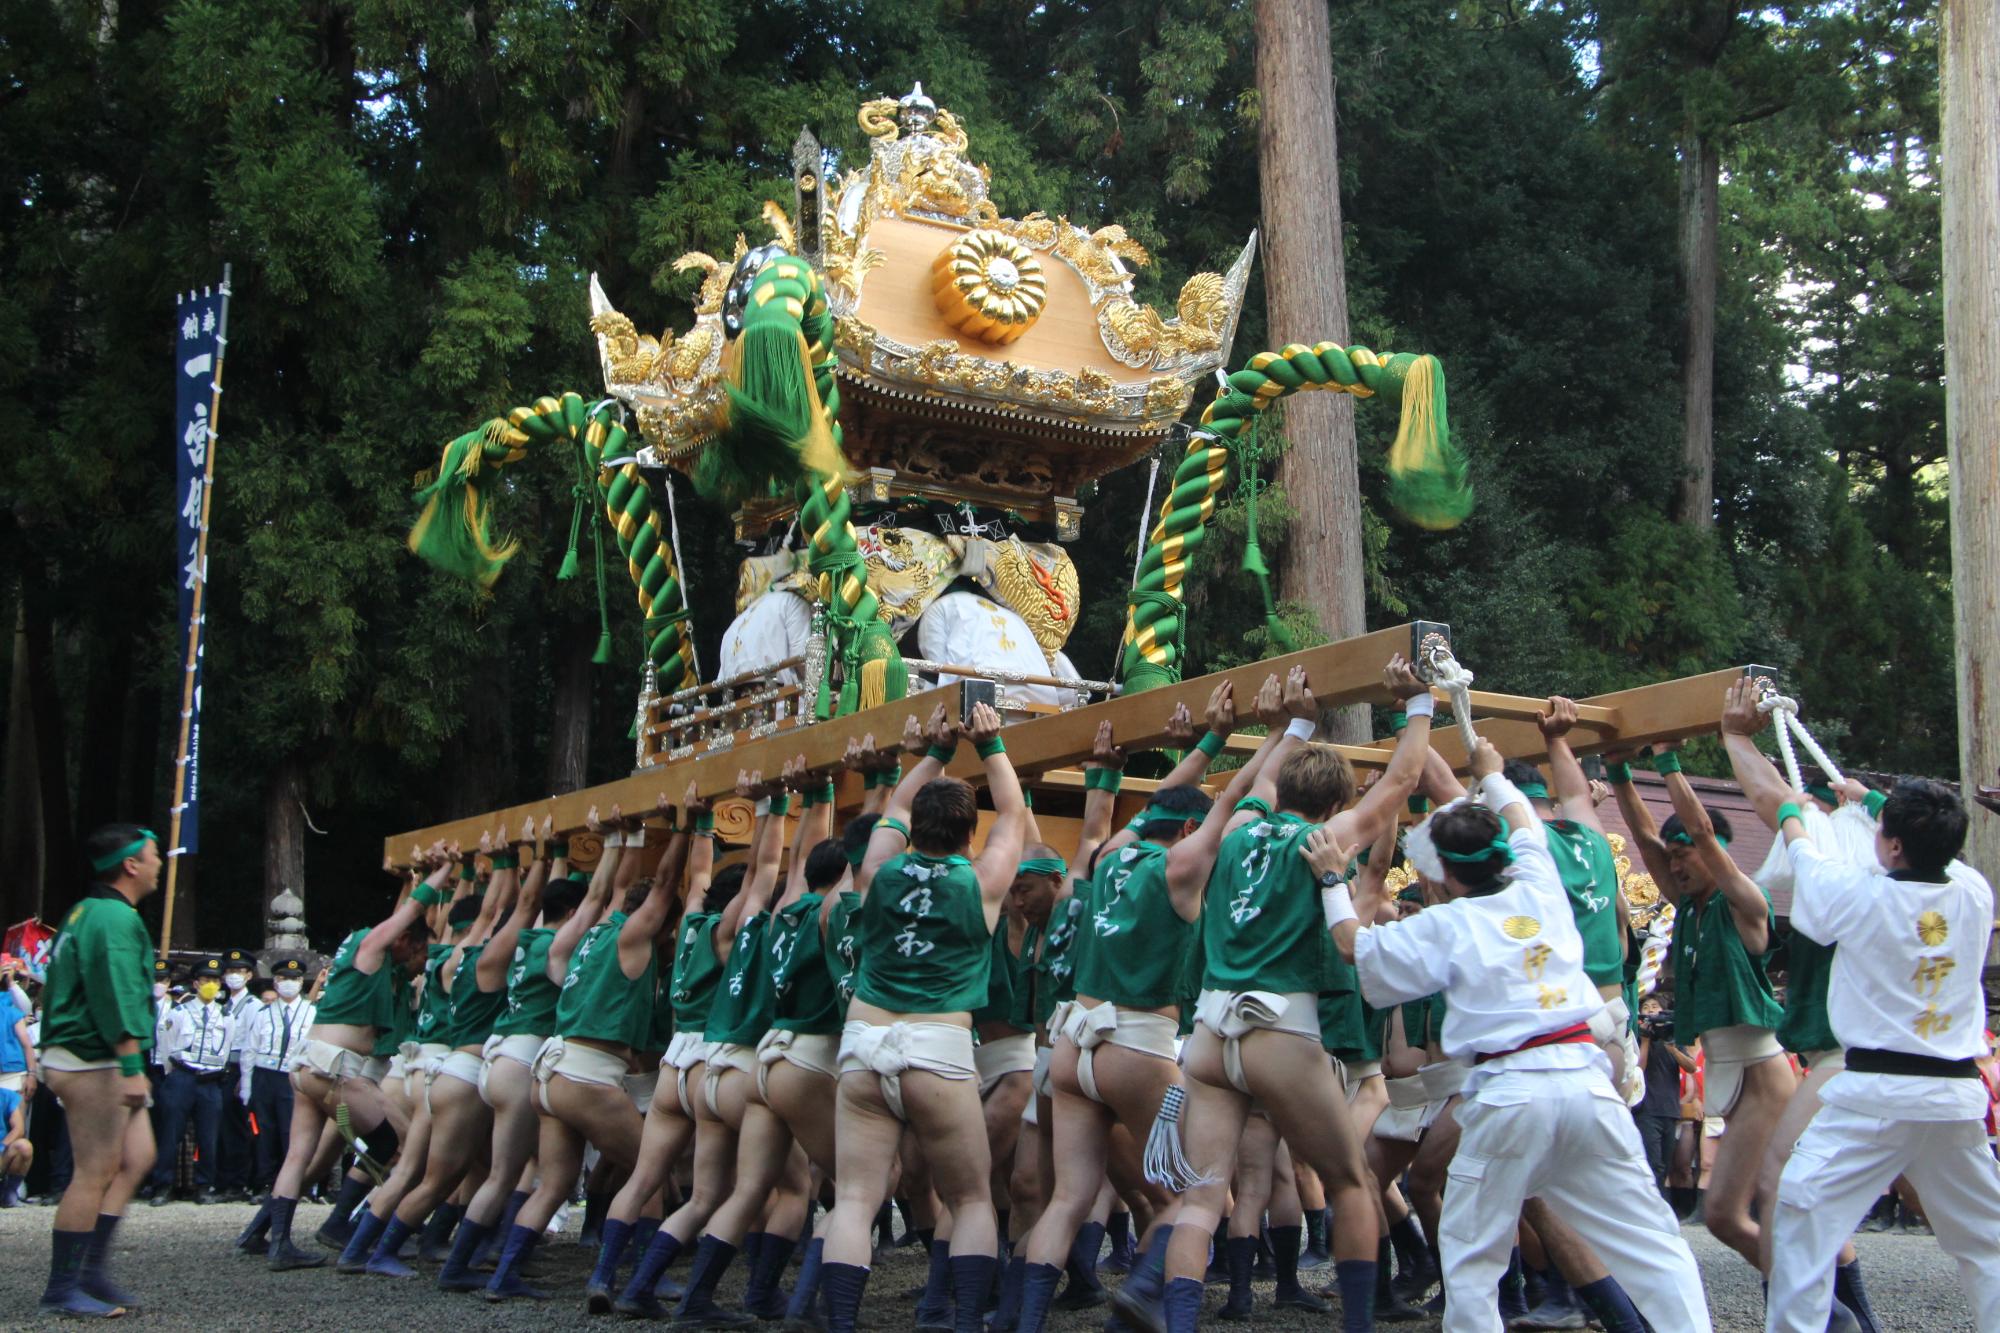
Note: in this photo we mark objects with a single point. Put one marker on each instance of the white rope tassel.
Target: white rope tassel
(1450, 675)
(1166, 1163)
(1785, 721)
(680, 564)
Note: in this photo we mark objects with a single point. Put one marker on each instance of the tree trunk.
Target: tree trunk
(1971, 122)
(569, 711)
(284, 846)
(1701, 172)
(23, 849)
(1305, 290)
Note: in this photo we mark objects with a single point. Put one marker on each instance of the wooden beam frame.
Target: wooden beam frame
(1340, 673)
(1669, 710)
(1347, 672)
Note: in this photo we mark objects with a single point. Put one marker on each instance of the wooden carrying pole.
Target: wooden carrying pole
(1348, 672)
(1345, 673)
(194, 623)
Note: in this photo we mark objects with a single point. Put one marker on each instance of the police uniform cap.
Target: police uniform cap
(159, 968)
(291, 967)
(210, 967)
(237, 958)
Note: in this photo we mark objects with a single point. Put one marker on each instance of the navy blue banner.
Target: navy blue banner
(197, 368)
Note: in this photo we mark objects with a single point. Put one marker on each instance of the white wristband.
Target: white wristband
(1301, 728)
(1338, 905)
(763, 806)
(1420, 705)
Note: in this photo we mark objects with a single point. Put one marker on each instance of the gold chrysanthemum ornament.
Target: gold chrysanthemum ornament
(989, 286)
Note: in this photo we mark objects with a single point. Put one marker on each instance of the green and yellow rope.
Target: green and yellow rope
(1427, 481)
(784, 420)
(453, 530)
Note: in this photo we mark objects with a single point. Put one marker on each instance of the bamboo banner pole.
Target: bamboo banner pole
(190, 666)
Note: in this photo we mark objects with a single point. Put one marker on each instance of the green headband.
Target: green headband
(1154, 812)
(1534, 791)
(1683, 838)
(1823, 793)
(1498, 847)
(1043, 865)
(133, 848)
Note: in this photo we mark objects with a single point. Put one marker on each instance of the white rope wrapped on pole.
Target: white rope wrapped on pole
(1784, 715)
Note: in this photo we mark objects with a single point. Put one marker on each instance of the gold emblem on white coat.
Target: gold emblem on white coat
(1521, 927)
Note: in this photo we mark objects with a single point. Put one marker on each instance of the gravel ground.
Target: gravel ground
(179, 1259)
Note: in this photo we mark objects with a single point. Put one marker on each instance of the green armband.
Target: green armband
(940, 753)
(1789, 810)
(500, 861)
(1399, 722)
(557, 850)
(130, 1065)
(896, 824)
(781, 804)
(1873, 803)
(1211, 744)
(704, 822)
(988, 748)
(1420, 805)
(1102, 779)
(1027, 798)
(1670, 762)
(1618, 773)
(427, 895)
(824, 796)
(467, 870)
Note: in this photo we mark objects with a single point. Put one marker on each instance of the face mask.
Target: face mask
(159, 990)
(235, 981)
(288, 990)
(207, 991)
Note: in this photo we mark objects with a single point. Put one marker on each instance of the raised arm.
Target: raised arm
(816, 789)
(637, 938)
(1766, 791)
(936, 741)
(1639, 822)
(1192, 859)
(1329, 861)
(409, 910)
(1390, 795)
(767, 850)
(499, 955)
(1747, 902)
(1571, 793)
(498, 900)
(1000, 859)
(1221, 719)
(1371, 882)
(1102, 773)
(595, 899)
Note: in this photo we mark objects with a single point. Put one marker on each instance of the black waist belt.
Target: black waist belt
(1862, 1060)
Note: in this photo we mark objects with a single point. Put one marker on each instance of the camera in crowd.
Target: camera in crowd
(1657, 1025)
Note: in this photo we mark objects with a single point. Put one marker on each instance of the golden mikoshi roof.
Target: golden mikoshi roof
(941, 303)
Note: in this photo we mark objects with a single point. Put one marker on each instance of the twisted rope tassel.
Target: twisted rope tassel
(1427, 481)
(637, 527)
(1784, 715)
(453, 533)
(784, 421)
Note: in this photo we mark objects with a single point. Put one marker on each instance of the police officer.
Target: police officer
(272, 1031)
(239, 1001)
(197, 1056)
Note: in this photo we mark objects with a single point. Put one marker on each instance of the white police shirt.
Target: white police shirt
(276, 1030)
(241, 1008)
(1905, 978)
(1509, 963)
(198, 1034)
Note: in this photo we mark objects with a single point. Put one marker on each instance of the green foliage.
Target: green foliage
(415, 195)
